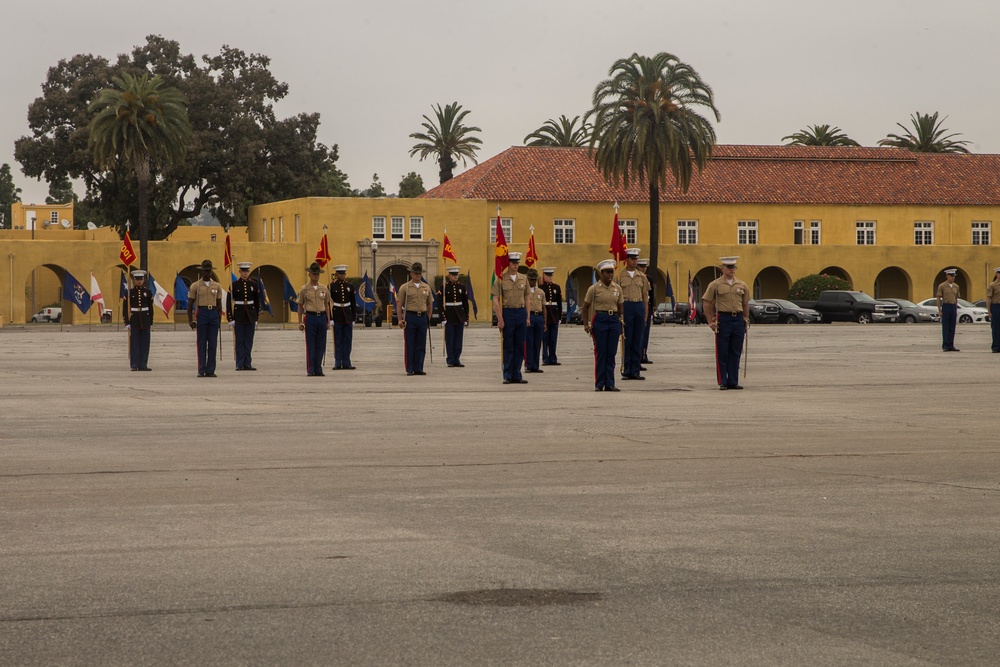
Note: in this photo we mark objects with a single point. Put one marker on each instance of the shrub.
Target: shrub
(809, 287)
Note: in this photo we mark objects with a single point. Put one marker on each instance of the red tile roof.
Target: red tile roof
(745, 174)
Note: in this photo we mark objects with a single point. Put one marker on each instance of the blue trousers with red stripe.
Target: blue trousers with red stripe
(606, 330)
(415, 342)
(729, 348)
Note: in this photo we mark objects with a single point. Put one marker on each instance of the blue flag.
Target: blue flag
(180, 292)
(76, 293)
(670, 292)
(264, 303)
(290, 296)
(368, 296)
(123, 288)
(472, 297)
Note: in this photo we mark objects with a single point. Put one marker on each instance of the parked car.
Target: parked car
(762, 312)
(106, 316)
(666, 312)
(967, 312)
(789, 313)
(47, 315)
(910, 312)
(850, 306)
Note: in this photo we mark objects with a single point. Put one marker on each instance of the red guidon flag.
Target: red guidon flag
(532, 256)
(617, 248)
(227, 254)
(502, 256)
(447, 252)
(127, 255)
(323, 254)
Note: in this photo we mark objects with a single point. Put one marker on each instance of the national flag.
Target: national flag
(447, 252)
(227, 254)
(290, 296)
(692, 304)
(670, 293)
(323, 254)
(95, 293)
(392, 296)
(123, 288)
(264, 303)
(502, 260)
(181, 292)
(531, 257)
(618, 247)
(76, 293)
(472, 297)
(127, 254)
(161, 297)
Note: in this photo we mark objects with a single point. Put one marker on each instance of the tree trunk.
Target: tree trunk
(654, 237)
(142, 178)
(445, 164)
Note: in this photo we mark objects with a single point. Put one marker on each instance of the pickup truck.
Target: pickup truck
(848, 306)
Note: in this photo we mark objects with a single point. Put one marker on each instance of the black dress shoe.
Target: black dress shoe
(459, 365)
(419, 373)
(135, 369)
(735, 386)
(239, 368)
(723, 387)
(201, 375)
(249, 368)
(599, 389)
(507, 381)
(145, 369)
(645, 361)
(533, 370)
(955, 349)
(612, 389)
(521, 381)
(349, 368)
(410, 373)
(643, 368)
(211, 375)
(320, 374)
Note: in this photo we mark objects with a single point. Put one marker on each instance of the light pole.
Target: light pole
(374, 272)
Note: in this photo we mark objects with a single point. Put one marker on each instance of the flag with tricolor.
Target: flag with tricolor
(531, 257)
(127, 254)
(161, 297)
(323, 254)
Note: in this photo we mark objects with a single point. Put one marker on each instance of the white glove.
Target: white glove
(128, 327)
(232, 324)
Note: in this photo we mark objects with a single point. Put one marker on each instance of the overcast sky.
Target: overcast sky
(373, 68)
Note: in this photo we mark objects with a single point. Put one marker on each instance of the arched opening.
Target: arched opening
(771, 283)
(391, 277)
(893, 283)
(580, 280)
(277, 289)
(839, 273)
(43, 295)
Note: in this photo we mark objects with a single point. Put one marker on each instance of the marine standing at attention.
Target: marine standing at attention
(456, 317)
(643, 265)
(947, 295)
(993, 303)
(536, 324)
(553, 317)
(603, 310)
(314, 305)
(345, 314)
(635, 290)
(243, 310)
(138, 317)
(510, 301)
(205, 295)
(415, 303)
(727, 310)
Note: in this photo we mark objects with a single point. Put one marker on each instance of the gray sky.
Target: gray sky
(372, 69)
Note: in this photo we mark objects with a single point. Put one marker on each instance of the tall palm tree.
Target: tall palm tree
(820, 135)
(139, 121)
(562, 132)
(647, 122)
(446, 138)
(930, 137)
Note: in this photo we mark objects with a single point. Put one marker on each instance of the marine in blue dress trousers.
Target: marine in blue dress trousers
(727, 309)
(415, 303)
(345, 313)
(242, 311)
(553, 317)
(510, 305)
(947, 295)
(993, 303)
(314, 319)
(635, 291)
(205, 296)
(603, 310)
(456, 317)
(138, 316)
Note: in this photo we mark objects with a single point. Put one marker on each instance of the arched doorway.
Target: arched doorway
(892, 282)
(771, 283)
(839, 273)
(43, 289)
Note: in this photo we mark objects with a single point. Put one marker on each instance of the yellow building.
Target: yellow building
(886, 220)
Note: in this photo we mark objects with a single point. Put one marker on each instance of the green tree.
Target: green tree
(9, 193)
(648, 122)
(808, 288)
(139, 122)
(928, 136)
(819, 135)
(562, 132)
(446, 138)
(374, 190)
(60, 191)
(411, 185)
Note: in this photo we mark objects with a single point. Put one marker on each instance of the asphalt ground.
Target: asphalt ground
(842, 510)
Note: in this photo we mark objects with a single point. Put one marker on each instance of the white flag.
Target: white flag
(95, 292)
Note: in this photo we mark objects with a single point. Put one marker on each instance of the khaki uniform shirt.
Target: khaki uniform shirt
(203, 296)
(993, 292)
(314, 299)
(536, 299)
(728, 298)
(948, 293)
(604, 298)
(414, 298)
(515, 290)
(634, 288)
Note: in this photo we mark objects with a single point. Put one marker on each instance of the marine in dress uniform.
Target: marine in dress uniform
(415, 303)
(314, 319)
(603, 310)
(242, 311)
(510, 300)
(553, 317)
(456, 317)
(993, 303)
(138, 317)
(205, 295)
(727, 309)
(947, 295)
(536, 324)
(643, 264)
(635, 291)
(345, 313)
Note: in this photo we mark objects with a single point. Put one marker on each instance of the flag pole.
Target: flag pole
(621, 335)
(499, 230)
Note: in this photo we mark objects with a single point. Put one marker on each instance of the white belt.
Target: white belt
(341, 305)
(242, 303)
(139, 310)
(551, 303)
(453, 303)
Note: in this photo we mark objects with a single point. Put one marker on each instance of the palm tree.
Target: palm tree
(820, 135)
(446, 138)
(560, 133)
(648, 121)
(930, 137)
(139, 121)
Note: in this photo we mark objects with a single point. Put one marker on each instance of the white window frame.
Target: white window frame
(687, 232)
(416, 228)
(815, 236)
(54, 218)
(397, 222)
(508, 229)
(746, 232)
(298, 227)
(981, 232)
(923, 232)
(564, 231)
(378, 227)
(865, 232)
(263, 224)
(281, 228)
(630, 227)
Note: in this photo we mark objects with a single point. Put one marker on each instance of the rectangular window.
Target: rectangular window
(378, 227)
(564, 230)
(687, 232)
(281, 229)
(508, 229)
(397, 227)
(273, 237)
(923, 233)
(54, 218)
(298, 226)
(629, 227)
(980, 233)
(798, 233)
(866, 232)
(263, 224)
(416, 229)
(746, 232)
(814, 229)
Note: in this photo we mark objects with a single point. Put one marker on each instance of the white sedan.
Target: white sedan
(967, 312)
